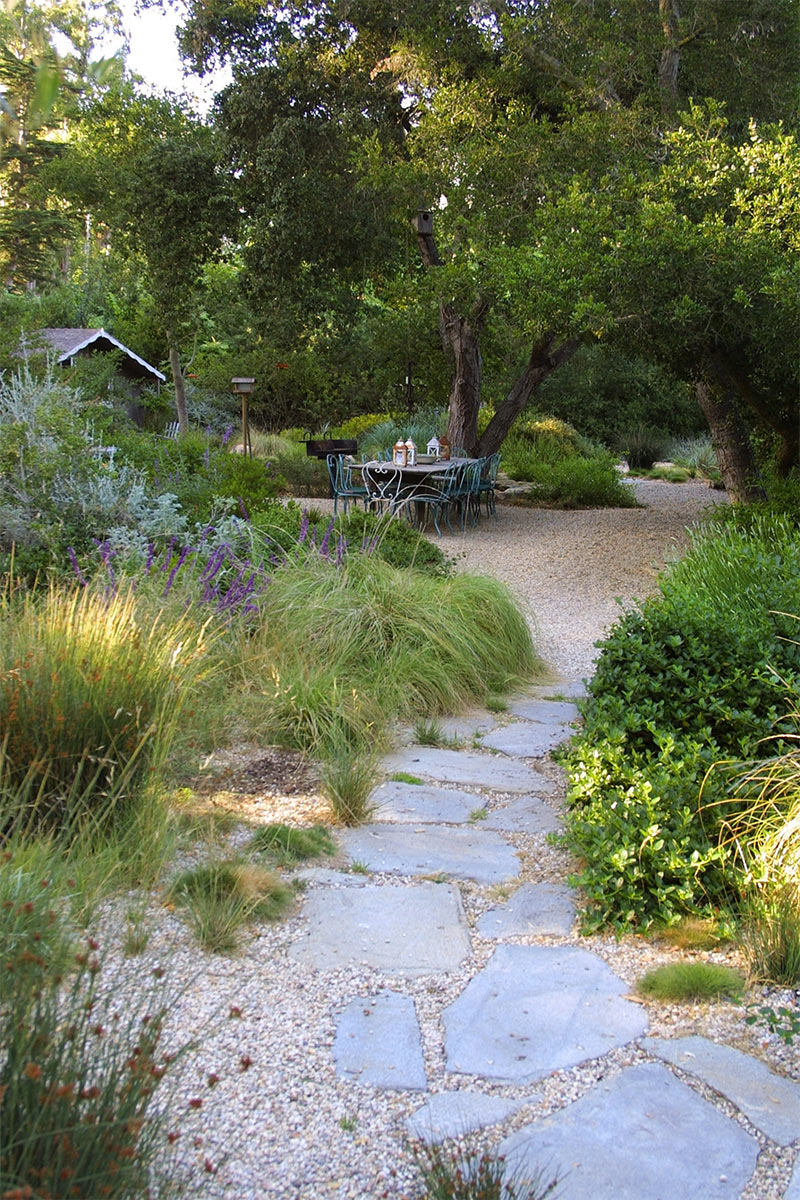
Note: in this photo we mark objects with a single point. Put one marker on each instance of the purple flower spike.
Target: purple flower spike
(151, 553)
(227, 435)
(341, 549)
(244, 511)
(82, 580)
(325, 543)
(206, 457)
(303, 534)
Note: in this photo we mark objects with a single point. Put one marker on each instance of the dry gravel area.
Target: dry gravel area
(570, 569)
(279, 1124)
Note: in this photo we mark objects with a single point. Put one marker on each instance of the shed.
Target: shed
(70, 344)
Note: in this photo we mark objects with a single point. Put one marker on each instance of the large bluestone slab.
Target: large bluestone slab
(535, 908)
(535, 1009)
(793, 1190)
(476, 854)
(771, 1102)
(412, 803)
(572, 689)
(467, 768)
(453, 1114)
(562, 712)
(643, 1135)
(378, 1042)
(407, 930)
(527, 739)
(524, 814)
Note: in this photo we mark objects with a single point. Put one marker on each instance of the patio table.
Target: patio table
(407, 485)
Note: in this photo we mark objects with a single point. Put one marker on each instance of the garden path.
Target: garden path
(435, 983)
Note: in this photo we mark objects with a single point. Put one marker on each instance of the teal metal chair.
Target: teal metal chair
(343, 486)
(488, 482)
(464, 492)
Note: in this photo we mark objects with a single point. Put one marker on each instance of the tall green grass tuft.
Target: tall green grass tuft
(337, 655)
(92, 694)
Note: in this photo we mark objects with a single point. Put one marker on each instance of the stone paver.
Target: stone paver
(535, 1009)
(525, 814)
(478, 854)
(563, 712)
(453, 1114)
(535, 908)
(417, 803)
(771, 1102)
(378, 1042)
(411, 930)
(793, 1190)
(527, 739)
(467, 767)
(643, 1135)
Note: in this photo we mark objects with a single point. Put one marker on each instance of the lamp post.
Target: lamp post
(244, 386)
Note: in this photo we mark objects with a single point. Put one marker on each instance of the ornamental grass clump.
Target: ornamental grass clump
(80, 1062)
(221, 897)
(93, 689)
(682, 982)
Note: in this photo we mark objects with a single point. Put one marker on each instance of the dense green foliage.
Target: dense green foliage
(690, 676)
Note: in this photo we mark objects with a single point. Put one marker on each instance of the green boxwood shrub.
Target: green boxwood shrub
(689, 677)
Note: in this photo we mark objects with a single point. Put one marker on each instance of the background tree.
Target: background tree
(346, 119)
(147, 168)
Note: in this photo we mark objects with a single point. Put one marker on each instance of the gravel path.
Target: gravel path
(567, 569)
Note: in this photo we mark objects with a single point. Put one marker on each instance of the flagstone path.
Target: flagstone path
(681, 1118)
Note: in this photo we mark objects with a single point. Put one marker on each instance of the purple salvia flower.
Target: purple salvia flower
(184, 554)
(227, 435)
(325, 543)
(341, 549)
(302, 535)
(151, 553)
(82, 580)
(206, 457)
(244, 511)
(168, 555)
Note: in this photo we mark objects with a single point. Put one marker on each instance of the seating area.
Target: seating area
(452, 492)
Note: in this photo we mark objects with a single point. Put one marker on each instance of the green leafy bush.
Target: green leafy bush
(686, 678)
(394, 541)
(574, 483)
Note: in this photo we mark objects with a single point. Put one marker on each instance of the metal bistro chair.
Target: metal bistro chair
(342, 486)
(434, 495)
(383, 486)
(465, 491)
(487, 483)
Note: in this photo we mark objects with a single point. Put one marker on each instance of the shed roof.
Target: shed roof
(68, 343)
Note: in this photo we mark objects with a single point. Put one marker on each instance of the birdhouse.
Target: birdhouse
(424, 222)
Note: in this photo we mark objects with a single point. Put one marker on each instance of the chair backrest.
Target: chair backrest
(382, 482)
(458, 452)
(491, 468)
(333, 471)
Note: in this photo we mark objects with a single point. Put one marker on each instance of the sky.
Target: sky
(154, 55)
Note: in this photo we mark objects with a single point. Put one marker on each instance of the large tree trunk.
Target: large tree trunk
(737, 464)
(670, 55)
(462, 336)
(543, 360)
(785, 425)
(180, 390)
